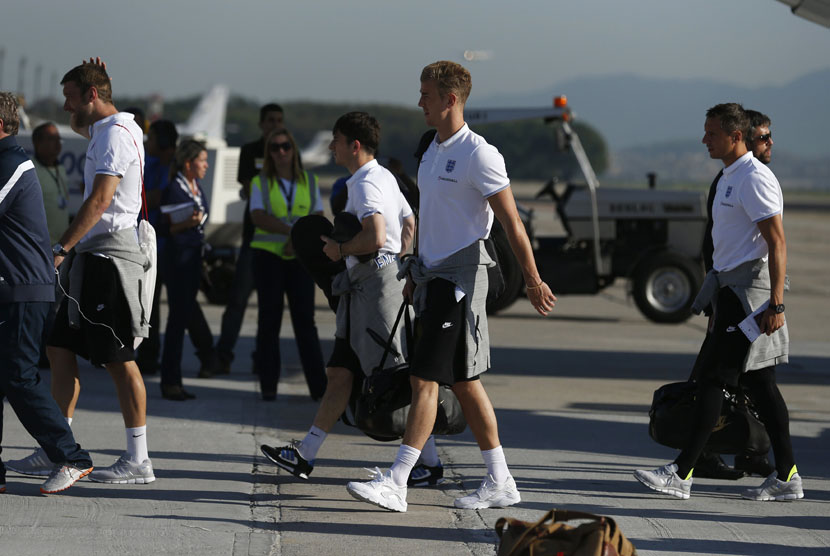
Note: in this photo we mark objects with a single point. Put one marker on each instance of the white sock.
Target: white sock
(404, 462)
(68, 421)
(496, 464)
(137, 444)
(311, 443)
(429, 454)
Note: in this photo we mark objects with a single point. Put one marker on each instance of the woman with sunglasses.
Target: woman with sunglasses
(282, 194)
(182, 264)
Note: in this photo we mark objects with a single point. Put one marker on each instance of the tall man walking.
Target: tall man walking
(106, 269)
(463, 183)
(749, 263)
(26, 293)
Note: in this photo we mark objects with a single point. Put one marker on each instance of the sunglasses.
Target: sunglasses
(276, 147)
(764, 138)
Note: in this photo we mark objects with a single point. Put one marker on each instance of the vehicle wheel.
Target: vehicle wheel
(510, 270)
(665, 285)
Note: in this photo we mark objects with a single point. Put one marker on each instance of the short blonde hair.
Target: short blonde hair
(450, 78)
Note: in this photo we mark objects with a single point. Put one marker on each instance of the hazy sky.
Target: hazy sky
(373, 50)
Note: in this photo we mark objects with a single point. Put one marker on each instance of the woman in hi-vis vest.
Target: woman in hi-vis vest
(282, 194)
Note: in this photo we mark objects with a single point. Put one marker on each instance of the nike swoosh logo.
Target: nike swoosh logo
(137, 435)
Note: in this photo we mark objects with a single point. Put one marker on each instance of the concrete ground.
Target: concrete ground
(571, 393)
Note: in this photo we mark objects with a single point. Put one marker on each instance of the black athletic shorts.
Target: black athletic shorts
(724, 349)
(110, 339)
(344, 356)
(440, 336)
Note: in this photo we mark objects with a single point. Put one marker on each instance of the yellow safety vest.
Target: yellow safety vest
(274, 203)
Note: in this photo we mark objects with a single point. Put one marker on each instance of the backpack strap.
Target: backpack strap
(423, 144)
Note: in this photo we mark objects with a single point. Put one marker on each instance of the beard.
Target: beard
(79, 122)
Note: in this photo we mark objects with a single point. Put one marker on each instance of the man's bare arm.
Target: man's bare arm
(103, 190)
(368, 240)
(269, 222)
(538, 292)
(407, 234)
(772, 230)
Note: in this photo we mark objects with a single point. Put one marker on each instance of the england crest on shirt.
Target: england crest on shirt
(728, 192)
(450, 166)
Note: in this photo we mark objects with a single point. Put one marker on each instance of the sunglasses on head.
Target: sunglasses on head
(276, 147)
(764, 138)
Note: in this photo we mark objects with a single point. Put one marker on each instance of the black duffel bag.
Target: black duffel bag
(382, 408)
(738, 430)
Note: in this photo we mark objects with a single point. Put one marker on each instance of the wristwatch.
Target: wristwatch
(778, 309)
(58, 250)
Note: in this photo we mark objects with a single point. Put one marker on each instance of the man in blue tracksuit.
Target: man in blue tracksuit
(27, 289)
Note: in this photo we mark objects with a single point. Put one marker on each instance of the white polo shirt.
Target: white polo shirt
(747, 193)
(455, 179)
(374, 190)
(116, 149)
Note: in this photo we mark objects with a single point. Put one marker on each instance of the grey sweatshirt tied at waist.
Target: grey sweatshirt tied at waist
(467, 269)
(374, 297)
(123, 250)
(751, 284)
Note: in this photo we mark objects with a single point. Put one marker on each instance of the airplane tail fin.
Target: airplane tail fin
(208, 118)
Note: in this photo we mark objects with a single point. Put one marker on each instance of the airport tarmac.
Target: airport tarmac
(571, 392)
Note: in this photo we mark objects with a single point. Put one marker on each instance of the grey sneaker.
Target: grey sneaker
(63, 477)
(773, 489)
(36, 464)
(380, 491)
(665, 479)
(491, 495)
(125, 471)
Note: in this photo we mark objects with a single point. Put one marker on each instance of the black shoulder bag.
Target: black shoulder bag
(383, 406)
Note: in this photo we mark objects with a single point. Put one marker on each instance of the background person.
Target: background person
(160, 148)
(28, 290)
(251, 158)
(282, 194)
(182, 264)
(46, 142)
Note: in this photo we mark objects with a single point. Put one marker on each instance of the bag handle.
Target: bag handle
(553, 515)
(391, 340)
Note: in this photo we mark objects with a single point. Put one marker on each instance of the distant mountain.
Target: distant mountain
(685, 162)
(630, 110)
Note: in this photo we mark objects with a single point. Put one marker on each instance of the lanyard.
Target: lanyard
(287, 192)
(58, 183)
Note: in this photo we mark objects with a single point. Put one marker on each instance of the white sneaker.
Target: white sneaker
(63, 477)
(665, 479)
(380, 491)
(491, 495)
(773, 489)
(125, 471)
(36, 464)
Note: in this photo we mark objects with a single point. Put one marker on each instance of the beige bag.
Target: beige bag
(551, 536)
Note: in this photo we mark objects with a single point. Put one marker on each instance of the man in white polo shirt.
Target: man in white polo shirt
(748, 274)
(370, 281)
(106, 268)
(463, 183)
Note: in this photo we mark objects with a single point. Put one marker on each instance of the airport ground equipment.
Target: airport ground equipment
(653, 238)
